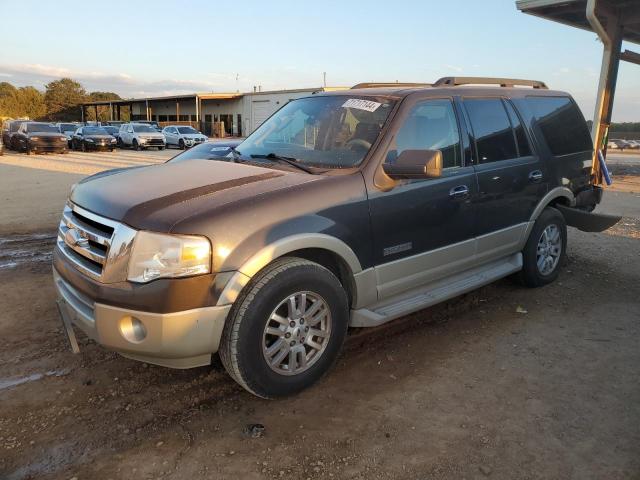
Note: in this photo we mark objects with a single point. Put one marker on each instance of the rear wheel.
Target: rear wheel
(545, 249)
(286, 328)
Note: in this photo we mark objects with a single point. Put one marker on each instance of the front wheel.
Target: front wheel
(135, 145)
(286, 328)
(27, 148)
(545, 249)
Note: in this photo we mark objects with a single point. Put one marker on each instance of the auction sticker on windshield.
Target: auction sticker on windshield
(360, 104)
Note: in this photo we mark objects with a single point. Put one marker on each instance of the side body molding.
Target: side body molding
(284, 246)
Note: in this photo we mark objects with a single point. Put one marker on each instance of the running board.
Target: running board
(428, 295)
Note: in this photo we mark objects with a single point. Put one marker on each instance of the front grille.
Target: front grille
(85, 238)
(155, 141)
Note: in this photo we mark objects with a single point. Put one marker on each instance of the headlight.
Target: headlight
(157, 255)
(89, 140)
(34, 138)
(113, 140)
(143, 140)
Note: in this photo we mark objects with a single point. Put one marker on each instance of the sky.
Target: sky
(152, 48)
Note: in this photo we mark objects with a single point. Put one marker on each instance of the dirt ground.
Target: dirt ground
(504, 383)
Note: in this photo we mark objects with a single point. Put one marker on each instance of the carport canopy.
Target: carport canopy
(614, 21)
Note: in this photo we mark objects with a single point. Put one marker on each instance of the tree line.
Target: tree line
(60, 102)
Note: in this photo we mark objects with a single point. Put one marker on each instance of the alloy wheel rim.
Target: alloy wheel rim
(297, 333)
(549, 250)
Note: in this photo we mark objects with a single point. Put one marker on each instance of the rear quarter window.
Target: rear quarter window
(562, 124)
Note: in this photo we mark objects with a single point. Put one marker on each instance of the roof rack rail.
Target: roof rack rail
(503, 82)
(389, 84)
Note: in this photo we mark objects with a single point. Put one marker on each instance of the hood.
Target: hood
(157, 197)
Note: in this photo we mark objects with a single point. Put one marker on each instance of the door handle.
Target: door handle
(535, 176)
(461, 191)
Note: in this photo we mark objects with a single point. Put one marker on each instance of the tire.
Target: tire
(135, 145)
(181, 144)
(553, 224)
(27, 148)
(83, 147)
(119, 143)
(160, 148)
(244, 342)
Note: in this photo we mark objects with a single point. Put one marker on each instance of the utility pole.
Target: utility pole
(324, 79)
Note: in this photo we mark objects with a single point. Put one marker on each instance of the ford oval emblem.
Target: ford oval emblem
(74, 238)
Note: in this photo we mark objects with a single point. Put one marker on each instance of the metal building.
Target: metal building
(241, 113)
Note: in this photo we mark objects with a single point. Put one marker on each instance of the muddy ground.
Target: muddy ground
(504, 382)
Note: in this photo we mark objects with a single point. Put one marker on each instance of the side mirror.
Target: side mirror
(415, 164)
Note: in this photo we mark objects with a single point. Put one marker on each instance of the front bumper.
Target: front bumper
(182, 339)
(100, 146)
(44, 147)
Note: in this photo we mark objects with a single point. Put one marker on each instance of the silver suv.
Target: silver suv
(140, 136)
(183, 136)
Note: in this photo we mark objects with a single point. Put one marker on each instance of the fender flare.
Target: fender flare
(544, 203)
(280, 248)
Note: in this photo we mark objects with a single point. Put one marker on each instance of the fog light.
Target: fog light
(133, 329)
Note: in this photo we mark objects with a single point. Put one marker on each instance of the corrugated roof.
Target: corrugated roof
(573, 13)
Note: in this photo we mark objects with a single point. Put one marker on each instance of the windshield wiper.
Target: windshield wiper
(236, 154)
(288, 160)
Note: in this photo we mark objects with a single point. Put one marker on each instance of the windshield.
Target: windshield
(41, 127)
(144, 128)
(95, 131)
(324, 131)
(111, 130)
(68, 127)
(187, 130)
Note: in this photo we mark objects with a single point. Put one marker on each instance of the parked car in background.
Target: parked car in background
(208, 151)
(182, 136)
(39, 137)
(112, 130)
(9, 129)
(401, 198)
(67, 129)
(633, 144)
(93, 138)
(618, 144)
(140, 136)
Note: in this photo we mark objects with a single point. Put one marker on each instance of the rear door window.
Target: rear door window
(524, 149)
(562, 124)
(494, 137)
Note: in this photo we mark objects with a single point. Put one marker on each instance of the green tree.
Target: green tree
(62, 99)
(103, 110)
(7, 100)
(30, 103)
